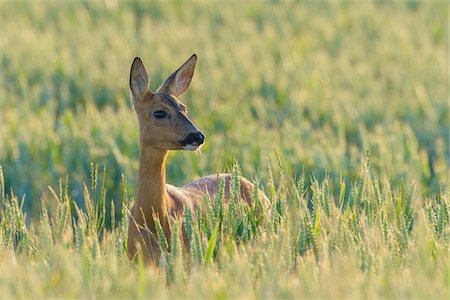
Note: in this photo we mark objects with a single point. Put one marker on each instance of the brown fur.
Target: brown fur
(157, 137)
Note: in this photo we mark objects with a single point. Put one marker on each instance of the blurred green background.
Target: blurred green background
(321, 84)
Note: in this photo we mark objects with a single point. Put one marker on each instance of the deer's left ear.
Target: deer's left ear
(179, 81)
(138, 79)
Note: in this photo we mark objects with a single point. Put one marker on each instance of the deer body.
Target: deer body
(164, 126)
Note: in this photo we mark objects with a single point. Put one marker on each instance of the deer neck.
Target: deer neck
(151, 195)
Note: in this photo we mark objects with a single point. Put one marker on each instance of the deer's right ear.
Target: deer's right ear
(138, 79)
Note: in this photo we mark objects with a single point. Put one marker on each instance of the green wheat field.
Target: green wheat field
(338, 110)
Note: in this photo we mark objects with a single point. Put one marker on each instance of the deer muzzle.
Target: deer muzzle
(193, 141)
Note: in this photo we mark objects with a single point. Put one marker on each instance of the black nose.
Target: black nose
(198, 137)
(193, 137)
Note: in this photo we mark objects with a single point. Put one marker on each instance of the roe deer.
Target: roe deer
(163, 126)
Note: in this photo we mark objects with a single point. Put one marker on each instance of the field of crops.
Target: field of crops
(338, 109)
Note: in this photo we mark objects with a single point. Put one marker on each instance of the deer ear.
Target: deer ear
(179, 81)
(138, 79)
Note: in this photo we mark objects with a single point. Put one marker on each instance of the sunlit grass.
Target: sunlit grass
(377, 242)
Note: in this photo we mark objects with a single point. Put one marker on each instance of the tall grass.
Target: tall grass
(376, 242)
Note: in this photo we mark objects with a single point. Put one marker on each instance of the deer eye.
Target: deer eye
(160, 114)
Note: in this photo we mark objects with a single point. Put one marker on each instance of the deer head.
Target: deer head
(163, 120)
